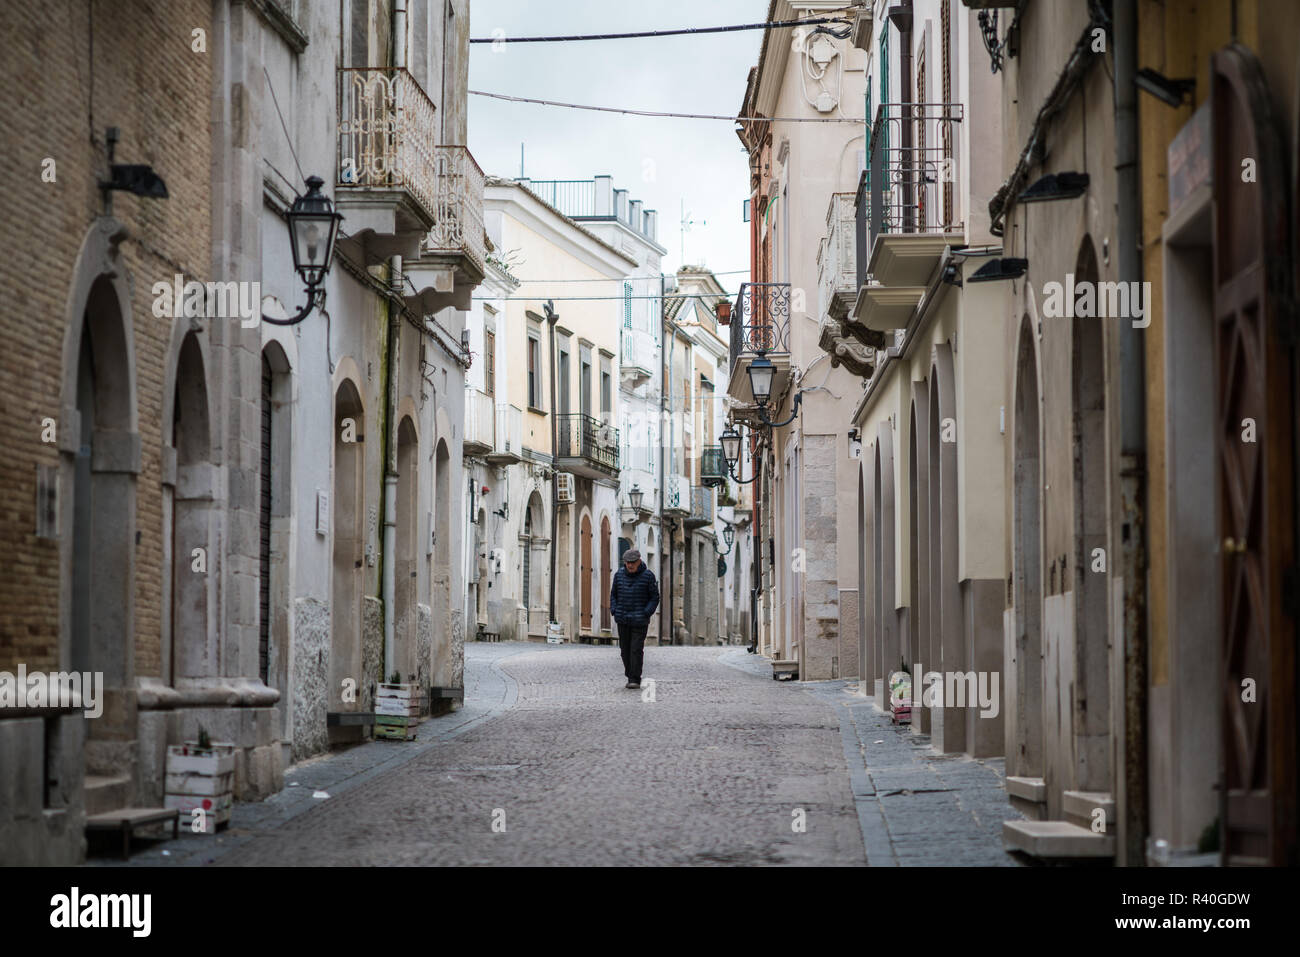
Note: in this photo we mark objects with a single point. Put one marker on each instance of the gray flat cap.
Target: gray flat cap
(631, 555)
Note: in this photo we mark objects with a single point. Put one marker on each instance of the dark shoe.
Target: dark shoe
(632, 684)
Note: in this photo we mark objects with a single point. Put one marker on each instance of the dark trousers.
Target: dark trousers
(631, 641)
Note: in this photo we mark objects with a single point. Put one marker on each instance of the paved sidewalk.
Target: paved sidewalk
(916, 806)
(489, 691)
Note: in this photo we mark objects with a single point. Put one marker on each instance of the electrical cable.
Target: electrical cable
(271, 86)
(668, 115)
(685, 31)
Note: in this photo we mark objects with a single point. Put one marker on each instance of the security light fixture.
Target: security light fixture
(996, 269)
(1055, 186)
(951, 274)
(1172, 92)
(135, 178)
(313, 227)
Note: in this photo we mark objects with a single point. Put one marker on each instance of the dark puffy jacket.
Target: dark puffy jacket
(633, 598)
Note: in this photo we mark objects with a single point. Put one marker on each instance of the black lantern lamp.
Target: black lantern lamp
(728, 536)
(761, 373)
(730, 441)
(636, 496)
(313, 228)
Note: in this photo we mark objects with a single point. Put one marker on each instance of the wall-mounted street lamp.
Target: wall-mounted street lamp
(313, 227)
(636, 496)
(728, 536)
(761, 373)
(730, 442)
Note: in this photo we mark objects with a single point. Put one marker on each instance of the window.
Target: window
(489, 363)
(585, 385)
(564, 379)
(606, 397)
(627, 305)
(534, 372)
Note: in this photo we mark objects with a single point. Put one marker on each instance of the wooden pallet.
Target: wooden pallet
(395, 727)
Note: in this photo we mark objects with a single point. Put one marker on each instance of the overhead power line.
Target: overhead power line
(680, 116)
(663, 33)
(725, 272)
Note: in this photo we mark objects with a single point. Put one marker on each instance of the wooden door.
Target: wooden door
(604, 574)
(1254, 343)
(586, 574)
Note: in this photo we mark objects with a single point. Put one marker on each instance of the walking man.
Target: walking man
(633, 598)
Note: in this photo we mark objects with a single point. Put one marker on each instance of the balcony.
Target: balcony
(480, 423)
(912, 208)
(713, 467)
(677, 496)
(452, 254)
(587, 446)
(387, 136)
(760, 325)
(701, 507)
(640, 356)
(596, 200)
(849, 344)
(508, 447)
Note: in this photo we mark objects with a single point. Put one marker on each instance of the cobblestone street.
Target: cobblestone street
(587, 772)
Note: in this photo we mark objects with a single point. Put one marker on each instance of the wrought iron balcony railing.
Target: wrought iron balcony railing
(584, 437)
(387, 135)
(458, 206)
(761, 320)
(713, 467)
(677, 495)
(913, 171)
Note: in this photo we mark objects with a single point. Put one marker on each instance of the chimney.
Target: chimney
(634, 216)
(652, 224)
(604, 205)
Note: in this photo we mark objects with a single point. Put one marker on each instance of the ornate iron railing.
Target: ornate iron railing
(387, 133)
(913, 171)
(585, 437)
(761, 320)
(458, 205)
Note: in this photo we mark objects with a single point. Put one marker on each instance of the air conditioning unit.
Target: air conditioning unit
(564, 488)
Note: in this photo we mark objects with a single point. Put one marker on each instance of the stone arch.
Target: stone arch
(1025, 729)
(606, 571)
(406, 551)
(585, 571)
(947, 631)
(887, 651)
(1090, 710)
(275, 585)
(99, 446)
(194, 651)
(347, 528)
(918, 470)
(535, 573)
(440, 592)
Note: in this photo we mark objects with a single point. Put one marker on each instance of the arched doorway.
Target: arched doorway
(918, 469)
(887, 652)
(103, 493)
(866, 573)
(440, 593)
(276, 524)
(947, 624)
(1025, 731)
(585, 571)
(605, 572)
(1090, 709)
(194, 651)
(348, 529)
(406, 572)
(1255, 435)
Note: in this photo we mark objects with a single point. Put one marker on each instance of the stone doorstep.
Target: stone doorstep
(1056, 839)
(1033, 790)
(1078, 807)
(103, 793)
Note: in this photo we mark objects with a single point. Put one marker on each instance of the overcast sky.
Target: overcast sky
(663, 162)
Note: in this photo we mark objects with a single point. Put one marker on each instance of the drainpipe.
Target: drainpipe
(551, 318)
(663, 476)
(395, 280)
(1132, 803)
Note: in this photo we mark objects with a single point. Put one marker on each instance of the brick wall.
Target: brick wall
(68, 72)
